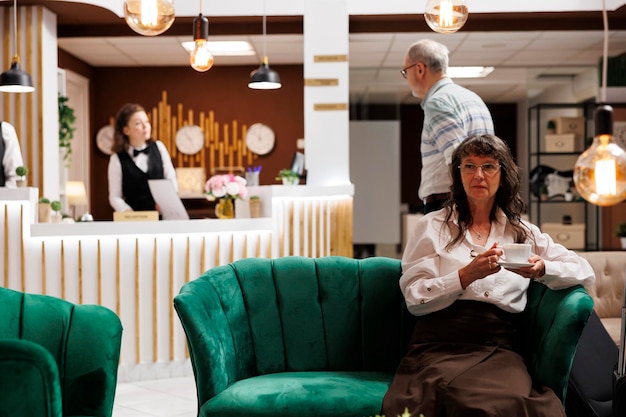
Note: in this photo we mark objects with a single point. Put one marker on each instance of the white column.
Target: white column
(326, 117)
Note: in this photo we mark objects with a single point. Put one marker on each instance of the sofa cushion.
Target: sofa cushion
(608, 291)
(302, 394)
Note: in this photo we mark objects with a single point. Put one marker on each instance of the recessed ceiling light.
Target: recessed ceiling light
(224, 48)
(469, 72)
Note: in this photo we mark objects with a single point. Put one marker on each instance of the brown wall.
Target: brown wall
(222, 90)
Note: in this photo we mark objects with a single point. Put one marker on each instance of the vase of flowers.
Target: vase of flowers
(225, 188)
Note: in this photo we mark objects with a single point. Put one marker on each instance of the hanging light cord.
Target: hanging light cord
(264, 32)
(605, 52)
(15, 29)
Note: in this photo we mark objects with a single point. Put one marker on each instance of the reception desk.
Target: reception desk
(136, 268)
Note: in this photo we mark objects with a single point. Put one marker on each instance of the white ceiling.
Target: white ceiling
(375, 59)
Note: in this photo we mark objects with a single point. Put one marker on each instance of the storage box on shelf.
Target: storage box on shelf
(574, 125)
(561, 142)
(572, 236)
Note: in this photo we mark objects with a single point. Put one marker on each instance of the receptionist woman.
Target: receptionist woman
(136, 158)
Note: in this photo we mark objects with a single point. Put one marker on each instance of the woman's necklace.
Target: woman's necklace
(479, 235)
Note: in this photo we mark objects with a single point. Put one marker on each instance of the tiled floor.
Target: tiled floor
(175, 397)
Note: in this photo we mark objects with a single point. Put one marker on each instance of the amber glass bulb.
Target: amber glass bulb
(201, 58)
(600, 171)
(149, 17)
(446, 16)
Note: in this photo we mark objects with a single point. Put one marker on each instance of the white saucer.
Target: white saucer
(514, 265)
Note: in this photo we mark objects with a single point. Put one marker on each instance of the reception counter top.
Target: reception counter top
(136, 268)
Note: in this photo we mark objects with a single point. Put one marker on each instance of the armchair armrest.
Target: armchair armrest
(555, 320)
(29, 380)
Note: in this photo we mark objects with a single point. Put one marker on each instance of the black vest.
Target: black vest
(3, 178)
(135, 182)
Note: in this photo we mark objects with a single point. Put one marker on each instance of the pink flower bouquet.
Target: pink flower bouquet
(225, 186)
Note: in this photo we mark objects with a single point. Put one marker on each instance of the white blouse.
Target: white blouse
(430, 279)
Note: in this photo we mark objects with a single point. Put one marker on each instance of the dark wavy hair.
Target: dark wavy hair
(507, 199)
(124, 114)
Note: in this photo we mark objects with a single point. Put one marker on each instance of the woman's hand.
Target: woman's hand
(536, 271)
(484, 264)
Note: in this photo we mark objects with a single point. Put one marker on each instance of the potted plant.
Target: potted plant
(288, 177)
(225, 188)
(56, 208)
(620, 232)
(21, 173)
(66, 129)
(43, 210)
(254, 203)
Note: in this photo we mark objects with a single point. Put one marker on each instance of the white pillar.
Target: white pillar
(326, 110)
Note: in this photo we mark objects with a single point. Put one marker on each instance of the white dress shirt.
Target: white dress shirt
(116, 199)
(12, 154)
(430, 279)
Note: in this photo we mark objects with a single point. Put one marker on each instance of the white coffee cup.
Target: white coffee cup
(516, 252)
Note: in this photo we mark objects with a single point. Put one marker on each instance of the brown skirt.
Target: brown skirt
(462, 362)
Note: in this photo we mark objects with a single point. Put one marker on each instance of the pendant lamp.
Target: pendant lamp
(600, 171)
(201, 58)
(446, 16)
(264, 78)
(149, 17)
(15, 80)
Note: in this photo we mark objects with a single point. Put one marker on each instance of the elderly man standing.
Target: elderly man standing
(451, 114)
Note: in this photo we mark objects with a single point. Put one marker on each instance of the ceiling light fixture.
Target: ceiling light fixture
(15, 80)
(600, 171)
(149, 17)
(201, 58)
(469, 72)
(446, 16)
(264, 78)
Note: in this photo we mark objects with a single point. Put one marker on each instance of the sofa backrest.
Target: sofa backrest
(84, 340)
(608, 291)
(296, 314)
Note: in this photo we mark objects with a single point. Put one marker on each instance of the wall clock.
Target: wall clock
(260, 139)
(190, 139)
(105, 138)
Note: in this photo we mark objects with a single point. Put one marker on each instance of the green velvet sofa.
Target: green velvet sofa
(322, 337)
(56, 358)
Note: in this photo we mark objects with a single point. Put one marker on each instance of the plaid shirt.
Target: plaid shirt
(451, 114)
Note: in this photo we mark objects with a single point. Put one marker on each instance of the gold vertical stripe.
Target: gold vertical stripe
(99, 271)
(187, 259)
(216, 260)
(155, 281)
(310, 208)
(6, 245)
(62, 269)
(80, 272)
(22, 250)
(318, 226)
(44, 284)
(118, 279)
(291, 229)
(202, 252)
(137, 306)
(231, 248)
(171, 297)
(302, 228)
(245, 246)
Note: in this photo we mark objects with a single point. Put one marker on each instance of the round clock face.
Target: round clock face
(104, 139)
(190, 139)
(260, 139)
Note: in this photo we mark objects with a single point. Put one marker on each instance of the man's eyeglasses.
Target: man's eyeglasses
(403, 70)
(487, 169)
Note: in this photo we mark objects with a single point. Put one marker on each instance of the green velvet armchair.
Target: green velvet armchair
(56, 358)
(323, 337)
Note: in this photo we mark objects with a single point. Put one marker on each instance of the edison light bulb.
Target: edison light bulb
(149, 17)
(600, 172)
(201, 58)
(446, 16)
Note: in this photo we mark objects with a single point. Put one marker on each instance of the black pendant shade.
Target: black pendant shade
(15, 80)
(264, 78)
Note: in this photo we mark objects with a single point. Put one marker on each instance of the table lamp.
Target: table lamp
(76, 195)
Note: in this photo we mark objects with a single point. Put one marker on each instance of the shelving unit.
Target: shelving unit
(575, 122)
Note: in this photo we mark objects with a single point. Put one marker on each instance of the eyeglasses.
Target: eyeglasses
(403, 70)
(487, 169)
